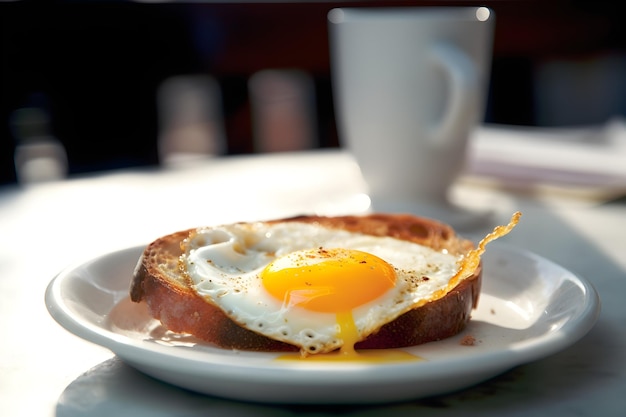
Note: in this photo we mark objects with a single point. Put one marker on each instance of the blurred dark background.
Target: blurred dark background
(95, 71)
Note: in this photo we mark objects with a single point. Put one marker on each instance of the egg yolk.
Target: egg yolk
(329, 281)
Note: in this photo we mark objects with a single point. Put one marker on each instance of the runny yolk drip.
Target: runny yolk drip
(330, 281)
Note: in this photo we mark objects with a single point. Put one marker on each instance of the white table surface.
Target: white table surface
(46, 371)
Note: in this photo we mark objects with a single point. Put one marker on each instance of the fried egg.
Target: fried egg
(313, 287)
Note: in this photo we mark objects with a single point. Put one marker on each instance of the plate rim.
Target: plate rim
(134, 352)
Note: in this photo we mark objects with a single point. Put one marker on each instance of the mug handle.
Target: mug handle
(464, 89)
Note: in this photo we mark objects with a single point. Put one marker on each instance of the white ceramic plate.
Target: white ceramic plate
(529, 308)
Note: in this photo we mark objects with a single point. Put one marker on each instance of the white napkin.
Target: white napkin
(581, 157)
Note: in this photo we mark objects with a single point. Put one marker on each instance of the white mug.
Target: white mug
(409, 86)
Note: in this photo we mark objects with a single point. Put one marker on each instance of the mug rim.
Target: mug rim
(343, 15)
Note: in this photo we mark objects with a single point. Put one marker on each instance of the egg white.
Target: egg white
(225, 262)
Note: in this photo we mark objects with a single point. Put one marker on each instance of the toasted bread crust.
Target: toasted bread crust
(159, 282)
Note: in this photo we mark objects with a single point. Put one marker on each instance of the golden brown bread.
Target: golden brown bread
(159, 281)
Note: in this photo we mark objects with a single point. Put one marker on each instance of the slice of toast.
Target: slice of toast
(160, 281)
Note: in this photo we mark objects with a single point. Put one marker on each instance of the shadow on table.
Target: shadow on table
(516, 391)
